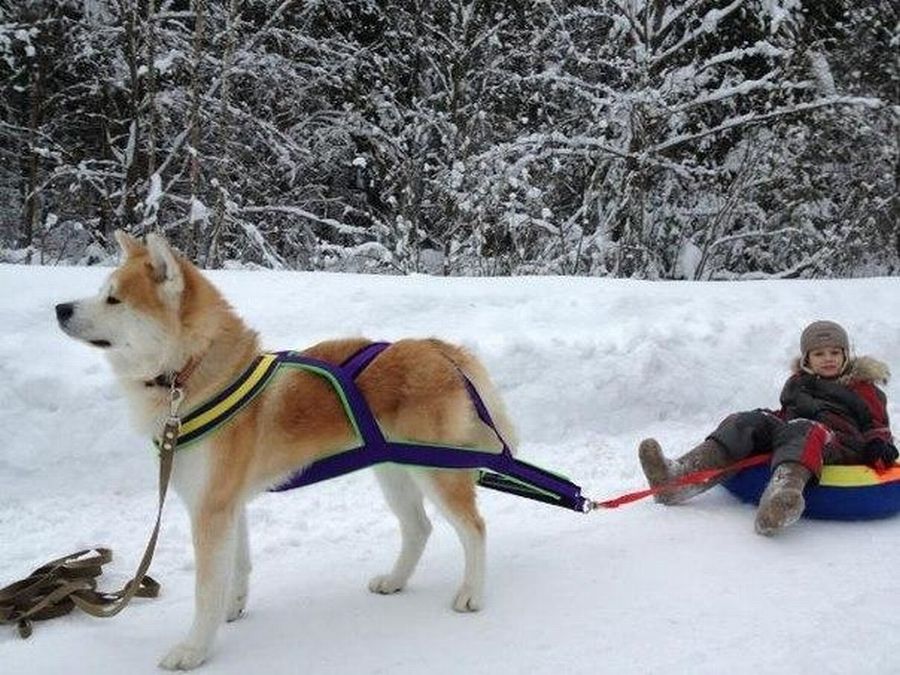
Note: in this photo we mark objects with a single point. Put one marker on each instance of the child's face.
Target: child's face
(826, 361)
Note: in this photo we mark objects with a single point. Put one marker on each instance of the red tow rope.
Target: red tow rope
(694, 478)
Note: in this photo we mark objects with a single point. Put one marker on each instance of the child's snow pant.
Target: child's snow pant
(755, 432)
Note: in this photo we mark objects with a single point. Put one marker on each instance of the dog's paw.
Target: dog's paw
(467, 600)
(385, 584)
(184, 656)
(236, 608)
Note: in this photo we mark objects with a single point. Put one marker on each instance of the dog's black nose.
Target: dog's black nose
(64, 311)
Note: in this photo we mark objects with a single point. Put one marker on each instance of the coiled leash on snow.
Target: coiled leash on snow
(61, 585)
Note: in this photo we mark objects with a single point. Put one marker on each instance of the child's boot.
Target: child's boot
(782, 501)
(661, 471)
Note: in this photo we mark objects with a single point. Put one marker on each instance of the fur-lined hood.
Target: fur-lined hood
(860, 368)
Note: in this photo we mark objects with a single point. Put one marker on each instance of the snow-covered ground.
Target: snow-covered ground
(589, 367)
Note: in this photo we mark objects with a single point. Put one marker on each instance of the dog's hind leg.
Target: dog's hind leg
(405, 499)
(215, 538)
(454, 494)
(240, 582)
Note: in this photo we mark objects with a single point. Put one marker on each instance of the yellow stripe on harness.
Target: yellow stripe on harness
(225, 406)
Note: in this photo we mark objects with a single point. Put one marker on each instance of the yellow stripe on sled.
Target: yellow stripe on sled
(856, 475)
(227, 404)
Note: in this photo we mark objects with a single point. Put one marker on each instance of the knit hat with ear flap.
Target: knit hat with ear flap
(821, 334)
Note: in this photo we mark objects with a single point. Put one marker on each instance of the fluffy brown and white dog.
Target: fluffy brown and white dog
(157, 318)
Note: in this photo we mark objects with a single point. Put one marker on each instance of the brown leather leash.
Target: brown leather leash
(61, 585)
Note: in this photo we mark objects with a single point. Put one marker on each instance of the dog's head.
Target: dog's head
(135, 317)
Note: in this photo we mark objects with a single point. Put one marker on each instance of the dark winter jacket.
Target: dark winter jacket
(851, 405)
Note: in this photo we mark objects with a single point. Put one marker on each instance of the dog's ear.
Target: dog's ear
(127, 243)
(166, 270)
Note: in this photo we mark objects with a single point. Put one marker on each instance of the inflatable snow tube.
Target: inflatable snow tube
(853, 492)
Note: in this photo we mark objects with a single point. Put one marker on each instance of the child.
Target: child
(831, 413)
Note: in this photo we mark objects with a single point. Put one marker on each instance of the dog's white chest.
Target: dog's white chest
(190, 474)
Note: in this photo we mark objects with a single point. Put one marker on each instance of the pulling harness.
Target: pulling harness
(497, 470)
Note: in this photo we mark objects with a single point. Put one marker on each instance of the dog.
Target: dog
(159, 320)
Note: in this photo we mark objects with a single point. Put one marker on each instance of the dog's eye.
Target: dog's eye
(111, 300)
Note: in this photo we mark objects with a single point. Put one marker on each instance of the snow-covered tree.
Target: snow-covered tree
(650, 138)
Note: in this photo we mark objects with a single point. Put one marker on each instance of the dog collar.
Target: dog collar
(177, 379)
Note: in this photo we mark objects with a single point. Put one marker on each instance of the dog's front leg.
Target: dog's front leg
(215, 553)
(240, 582)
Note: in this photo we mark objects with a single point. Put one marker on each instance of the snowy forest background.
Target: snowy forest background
(700, 139)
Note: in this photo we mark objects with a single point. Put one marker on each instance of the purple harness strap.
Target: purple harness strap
(511, 475)
(357, 363)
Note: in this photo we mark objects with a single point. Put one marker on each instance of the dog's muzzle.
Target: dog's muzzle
(64, 312)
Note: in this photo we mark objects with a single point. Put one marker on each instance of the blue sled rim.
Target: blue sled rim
(866, 501)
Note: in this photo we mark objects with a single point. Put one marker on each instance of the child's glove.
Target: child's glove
(879, 450)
